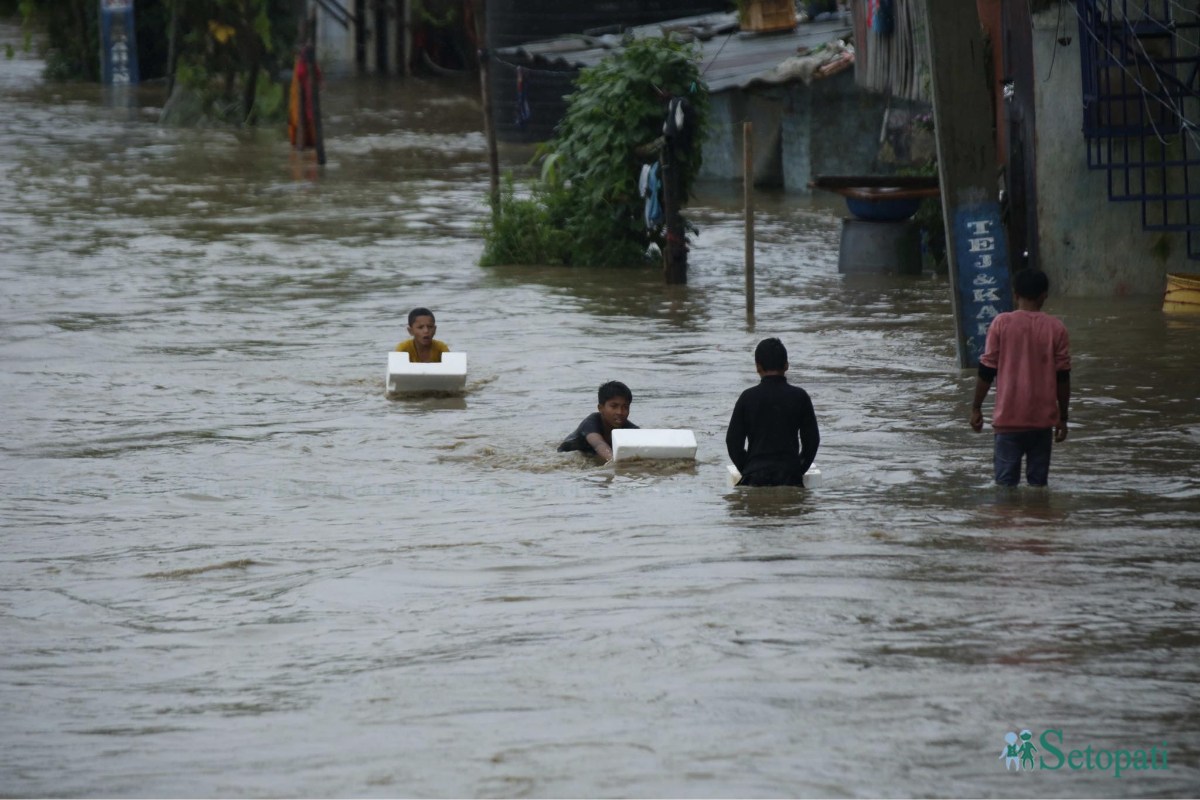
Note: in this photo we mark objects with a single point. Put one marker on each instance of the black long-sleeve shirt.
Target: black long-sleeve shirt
(781, 426)
(578, 439)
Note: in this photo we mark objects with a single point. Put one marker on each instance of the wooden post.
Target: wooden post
(1021, 140)
(675, 254)
(976, 245)
(406, 37)
(310, 60)
(172, 47)
(485, 94)
(301, 93)
(748, 189)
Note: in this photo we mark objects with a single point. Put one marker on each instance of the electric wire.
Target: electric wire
(1188, 126)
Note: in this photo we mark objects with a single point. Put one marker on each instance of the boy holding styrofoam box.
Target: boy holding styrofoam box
(422, 363)
(608, 433)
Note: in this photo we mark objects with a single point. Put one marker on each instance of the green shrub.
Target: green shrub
(588, 193)
(524, 234)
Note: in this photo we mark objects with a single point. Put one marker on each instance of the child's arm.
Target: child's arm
(982, 385)
(601, 447)
(1064, 399)
(735, 437)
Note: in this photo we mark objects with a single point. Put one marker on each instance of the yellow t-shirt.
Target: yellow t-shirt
(407, 346)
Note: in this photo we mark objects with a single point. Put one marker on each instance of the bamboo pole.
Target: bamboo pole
(748, 191)
(485, 94)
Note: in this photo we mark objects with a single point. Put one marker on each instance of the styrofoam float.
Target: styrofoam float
(409, 376)
(812, 478)
(631, 443)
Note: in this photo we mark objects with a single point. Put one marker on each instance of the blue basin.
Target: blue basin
(891, 210)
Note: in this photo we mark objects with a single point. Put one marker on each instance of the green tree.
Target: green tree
(228, 53)
(72, 36)
(586, 206)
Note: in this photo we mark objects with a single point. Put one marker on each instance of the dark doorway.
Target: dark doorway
(380, 29)
(360, 35)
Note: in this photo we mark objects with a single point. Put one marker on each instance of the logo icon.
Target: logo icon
(1010, 752)
(1027, 749)
(1018, 751)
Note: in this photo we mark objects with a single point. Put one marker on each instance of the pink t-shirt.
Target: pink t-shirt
(1027, 349)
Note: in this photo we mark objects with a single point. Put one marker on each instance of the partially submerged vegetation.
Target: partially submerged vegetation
(586, 209)
(222, 58)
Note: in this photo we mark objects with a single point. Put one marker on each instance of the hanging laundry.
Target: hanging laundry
(523, 112)
(302, 135)
(883, 17)
(679, 126)
(649, 186)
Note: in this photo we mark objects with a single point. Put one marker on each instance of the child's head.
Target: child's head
(615, 399)
(1031, 284)
(421, 326)
(418, 312)
(771, 356)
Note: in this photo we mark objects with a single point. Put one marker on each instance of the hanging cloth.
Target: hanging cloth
(649, 185)
(883, 17)
(523, 112)
(302, 134)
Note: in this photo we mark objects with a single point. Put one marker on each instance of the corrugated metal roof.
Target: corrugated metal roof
(730, 58)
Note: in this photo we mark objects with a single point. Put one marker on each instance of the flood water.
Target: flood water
(233, 567)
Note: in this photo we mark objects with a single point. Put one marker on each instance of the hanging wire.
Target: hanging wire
(1188, 127)
(1165, 26)
(1178, 111)
(1057, 28)
(713, 60)
(1194, 12)
(559, 72)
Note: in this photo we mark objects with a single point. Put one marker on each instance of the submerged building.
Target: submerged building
(795, 86)
(1097, 109)
(399, 37)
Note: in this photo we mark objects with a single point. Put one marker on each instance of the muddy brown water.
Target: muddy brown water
(232, 567)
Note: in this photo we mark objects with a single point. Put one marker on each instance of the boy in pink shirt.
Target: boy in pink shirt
(1028, 355)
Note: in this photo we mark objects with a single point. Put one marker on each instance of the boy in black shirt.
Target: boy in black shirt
(594, 434)
(778, 420)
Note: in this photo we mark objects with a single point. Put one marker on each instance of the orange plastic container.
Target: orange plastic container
(1182, 294)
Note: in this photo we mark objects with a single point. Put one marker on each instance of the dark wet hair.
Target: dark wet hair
(771, 355)
(1030, 284)
(419, 311)
(614, 389)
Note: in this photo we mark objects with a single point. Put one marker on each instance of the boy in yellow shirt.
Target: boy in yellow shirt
(422, 347)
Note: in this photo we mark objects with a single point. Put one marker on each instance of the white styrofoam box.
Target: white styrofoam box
(409, 376)
(734, 475)
(812, 478)
(630, 443)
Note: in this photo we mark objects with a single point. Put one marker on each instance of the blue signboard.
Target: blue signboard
(118, 45)
(984, 287)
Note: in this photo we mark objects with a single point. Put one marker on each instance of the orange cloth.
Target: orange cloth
(301, 82)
